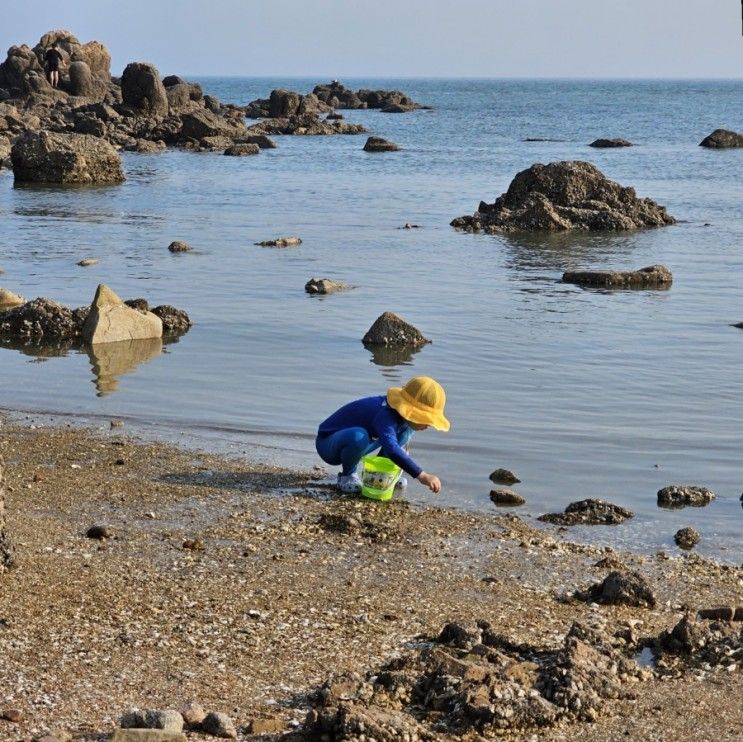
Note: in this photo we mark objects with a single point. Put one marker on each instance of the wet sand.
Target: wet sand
(242, 586)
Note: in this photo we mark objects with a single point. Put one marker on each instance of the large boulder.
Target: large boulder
(283, 103)
(19, 62)
(110, 320)
(203, 123)
(722, 139)
(82, 82)
(562, 196)
(142, 89)
(6, 547)
(45, 157)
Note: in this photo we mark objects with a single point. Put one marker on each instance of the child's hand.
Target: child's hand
(431, 481)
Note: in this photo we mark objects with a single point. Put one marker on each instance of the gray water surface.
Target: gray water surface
(583, 393)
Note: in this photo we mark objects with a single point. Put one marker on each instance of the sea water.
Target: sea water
(581, 392)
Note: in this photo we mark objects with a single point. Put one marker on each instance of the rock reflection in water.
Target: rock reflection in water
(111, 360)
(389, 358)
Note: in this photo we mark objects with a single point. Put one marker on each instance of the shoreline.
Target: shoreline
(283, 583)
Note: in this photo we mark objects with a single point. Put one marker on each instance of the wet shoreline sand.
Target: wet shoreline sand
(284, 583)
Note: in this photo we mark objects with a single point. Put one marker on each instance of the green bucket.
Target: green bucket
(378, 477)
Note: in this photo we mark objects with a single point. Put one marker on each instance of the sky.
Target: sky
(400, 38)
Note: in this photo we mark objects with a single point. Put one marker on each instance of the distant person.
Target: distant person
(387, 422)
(53, 59)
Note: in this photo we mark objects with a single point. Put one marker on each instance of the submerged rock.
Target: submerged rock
(179, 246)
(653, 276)
(503, 476)
(110, 320)
(242, 149)
(390, 329)
(6, 545)
(620, 588)
(281, 242)
(325, 286)
(589, 512)
(687, 538)
(610, 143)
(378, 144)
(722, 139)
(46, 157)
(562, 196)
(680, 495)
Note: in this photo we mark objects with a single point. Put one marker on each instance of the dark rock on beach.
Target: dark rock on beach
(390, 329)
(504, 496)
(680, 495)
(653, 276)
(563, 196)
(589, 512)
(687, 538)
(610, 143)
(44, 157)
(378, 144)
(722, 139)
(473, 683)
(6, 545)
(620, 588)
(701, 644)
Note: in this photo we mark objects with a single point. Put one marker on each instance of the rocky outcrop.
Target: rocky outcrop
(308, 124)
(563, 196)
(620, 588)
(390, 329)
(110, 320)
(610, 143)
(589, 512)
(722, 139)
(681, 495)
(651, 277)
(41, 321)
(378, 144)
(325, 286)
(44, 157)
(337, 95)
(260, 139)
(142, 89)
(6, 546)
(473, 683)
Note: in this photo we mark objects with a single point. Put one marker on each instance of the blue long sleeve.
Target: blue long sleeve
(382, 424)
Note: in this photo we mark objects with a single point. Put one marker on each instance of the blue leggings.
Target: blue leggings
(347, 446)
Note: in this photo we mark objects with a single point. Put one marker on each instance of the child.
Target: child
(387, 422)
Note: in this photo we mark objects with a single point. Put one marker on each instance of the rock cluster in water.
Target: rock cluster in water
(45, 323)
(590, 512)
(653, 276)
(562, 196)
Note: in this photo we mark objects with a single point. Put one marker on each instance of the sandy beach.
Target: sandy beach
(243, 587)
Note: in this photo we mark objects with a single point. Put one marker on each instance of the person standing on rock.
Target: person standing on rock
(53, 59)
(386, 422)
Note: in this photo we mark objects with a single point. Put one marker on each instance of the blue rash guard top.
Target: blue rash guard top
(381, 422)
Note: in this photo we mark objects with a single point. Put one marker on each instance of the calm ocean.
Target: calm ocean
(582, 393)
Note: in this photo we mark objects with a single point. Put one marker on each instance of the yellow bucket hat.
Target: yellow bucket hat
(420, 401)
